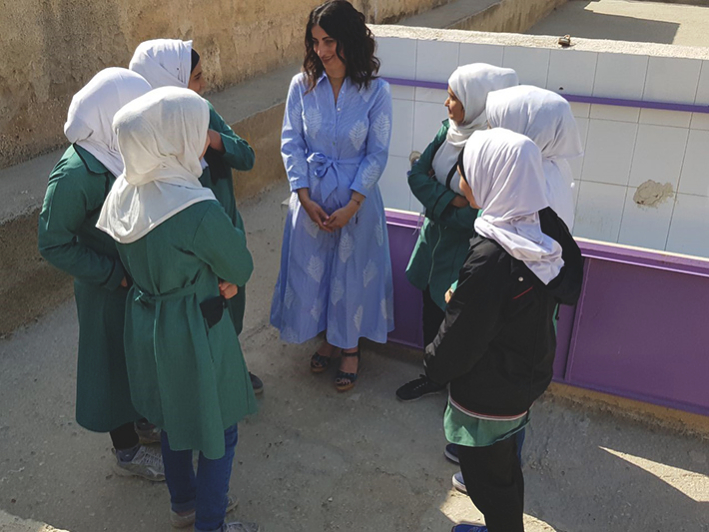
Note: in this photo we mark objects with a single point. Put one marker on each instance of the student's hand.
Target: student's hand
(316, 213)
(341, 217)
(124, 282)
(228, 290)
(215, 141)
(449, 296)
(459, 202)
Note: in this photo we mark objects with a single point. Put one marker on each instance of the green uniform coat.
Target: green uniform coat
(217, 176)
(69, 240)
(444, 239)
(188, 379)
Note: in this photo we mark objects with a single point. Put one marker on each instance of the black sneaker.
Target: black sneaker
(451, 453)
(256, 383)
(418, 388)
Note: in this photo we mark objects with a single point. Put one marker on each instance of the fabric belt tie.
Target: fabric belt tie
(212, 309)
(324, 168)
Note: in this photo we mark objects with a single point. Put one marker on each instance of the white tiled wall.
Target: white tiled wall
(624, 146)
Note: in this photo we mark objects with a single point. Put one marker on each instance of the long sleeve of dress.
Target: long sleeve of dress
(472, 320)
(237, 152)
(66, 207)
(223, 247)
(378, 138)
(293, 147)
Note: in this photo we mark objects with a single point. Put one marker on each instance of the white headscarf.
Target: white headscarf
(504, 170)
(164, 62)
(471, 85)
(91, 112)
(161, 136)
(546, 118)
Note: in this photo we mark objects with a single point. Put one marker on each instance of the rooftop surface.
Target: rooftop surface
(315, 460)
(621, 20)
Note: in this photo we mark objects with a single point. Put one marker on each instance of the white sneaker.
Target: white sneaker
(237, 526)
(147, 464)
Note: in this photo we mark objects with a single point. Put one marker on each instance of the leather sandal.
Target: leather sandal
(346, 381)
(319, 363)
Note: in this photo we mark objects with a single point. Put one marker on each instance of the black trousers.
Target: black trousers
(432, 318)
(493, 477)
(124, 437)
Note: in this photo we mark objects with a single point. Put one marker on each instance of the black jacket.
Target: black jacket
(496, 345)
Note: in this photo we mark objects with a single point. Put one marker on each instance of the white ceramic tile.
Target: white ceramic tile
(659, 152)
(398, 57)
(580, 110)
(700, 121)
(572, 72)
(531, 64)
(615, 112)
(670, 79)
(430, 95)
(394, 184)
(645, 226)
(401, 92)
(575, 187)
(402, 135)
(480, 53)
(599, 211)
(695, 171)
(415, 205)
(609, 152)
(703, 88)
(427, 122)
(689, 229)
(436, 60)
(620, 76)
(660, 117)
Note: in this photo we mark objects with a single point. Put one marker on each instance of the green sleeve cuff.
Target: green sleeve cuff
(117, 275)
(442, 202)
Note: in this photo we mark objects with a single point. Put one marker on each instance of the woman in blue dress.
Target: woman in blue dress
(335, 266)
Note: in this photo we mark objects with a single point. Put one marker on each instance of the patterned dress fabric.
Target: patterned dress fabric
(341, 281)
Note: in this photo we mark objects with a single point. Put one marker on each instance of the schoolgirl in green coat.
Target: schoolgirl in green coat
(448, 227)
(174, 63)
(69, 240)
(186, 369)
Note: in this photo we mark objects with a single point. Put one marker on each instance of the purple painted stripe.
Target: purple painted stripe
(665, 106)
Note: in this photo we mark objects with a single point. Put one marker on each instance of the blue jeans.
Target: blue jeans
(207, 492)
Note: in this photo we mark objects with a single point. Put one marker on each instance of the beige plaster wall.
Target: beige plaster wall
(52, 47)
(510, 16)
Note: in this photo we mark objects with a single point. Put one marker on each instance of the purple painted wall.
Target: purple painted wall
(640, 329)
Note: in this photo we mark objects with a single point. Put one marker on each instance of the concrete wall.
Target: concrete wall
(643, 181)
(52, 47)
(511, 16)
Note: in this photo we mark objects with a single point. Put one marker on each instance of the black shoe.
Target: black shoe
(418, 388)
(256, 383)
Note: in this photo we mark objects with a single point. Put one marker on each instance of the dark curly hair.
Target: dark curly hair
(355, 43)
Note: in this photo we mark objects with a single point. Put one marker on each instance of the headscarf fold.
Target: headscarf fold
(164, 62)
(161, 136)
(546, 118)
(471, 85)
(92, 109)
(504, 171)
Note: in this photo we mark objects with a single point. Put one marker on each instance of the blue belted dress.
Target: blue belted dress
(340, 282)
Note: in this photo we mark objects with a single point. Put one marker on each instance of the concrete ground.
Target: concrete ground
(622, 20)
(314, 460)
